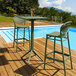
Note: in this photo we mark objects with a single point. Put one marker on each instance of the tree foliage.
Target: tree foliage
(17, 6)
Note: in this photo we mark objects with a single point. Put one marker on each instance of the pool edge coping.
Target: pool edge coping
(30, 26)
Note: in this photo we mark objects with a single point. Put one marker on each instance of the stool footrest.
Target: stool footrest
(54, 59)
(58, 59)
(57, 52)
(61, 53)
(22, 39)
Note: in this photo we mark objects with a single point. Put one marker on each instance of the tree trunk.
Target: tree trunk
(31, 11)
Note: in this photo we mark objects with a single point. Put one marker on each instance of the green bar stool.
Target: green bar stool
(62, 34)
(17, 26)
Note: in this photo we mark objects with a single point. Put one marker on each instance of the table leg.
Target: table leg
(32, 43)
(37, 55)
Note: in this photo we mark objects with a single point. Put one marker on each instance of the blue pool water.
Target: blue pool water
(7, 34)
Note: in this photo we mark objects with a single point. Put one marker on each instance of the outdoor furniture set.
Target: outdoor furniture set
(64, 33)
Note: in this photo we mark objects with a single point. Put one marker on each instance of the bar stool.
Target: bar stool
(17, 26)
(62, 34)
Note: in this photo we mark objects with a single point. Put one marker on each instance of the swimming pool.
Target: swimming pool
(7, 34)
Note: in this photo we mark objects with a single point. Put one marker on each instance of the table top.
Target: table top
(32, 17)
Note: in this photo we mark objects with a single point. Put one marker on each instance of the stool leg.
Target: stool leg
(29, 37)
(14, 38)
(63, 56)
(54, 49)
(17, 40)
(70, 52)
(45, 51)
(29, 46)
(24, 37)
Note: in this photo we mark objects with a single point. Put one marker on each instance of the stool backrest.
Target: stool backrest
(65, 28)
(18, 20)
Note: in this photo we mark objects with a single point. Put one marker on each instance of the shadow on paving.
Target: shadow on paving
(33, 69)
(3, 60)
(28, 69)
(3, 50)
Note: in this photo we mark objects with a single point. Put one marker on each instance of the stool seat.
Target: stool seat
(54, 34)
(22, 26)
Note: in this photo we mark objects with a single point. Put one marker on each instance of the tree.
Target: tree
(33, 4)
(65, 16)
(45, 12)
(53, 12)
(18, 6)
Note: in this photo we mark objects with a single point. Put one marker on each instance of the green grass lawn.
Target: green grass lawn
(5, 19)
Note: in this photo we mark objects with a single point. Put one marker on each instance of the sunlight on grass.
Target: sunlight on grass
(5, 19)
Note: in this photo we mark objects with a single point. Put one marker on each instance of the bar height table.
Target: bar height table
(32, 19)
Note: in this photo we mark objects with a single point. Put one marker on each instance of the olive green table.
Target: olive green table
(32, 19)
